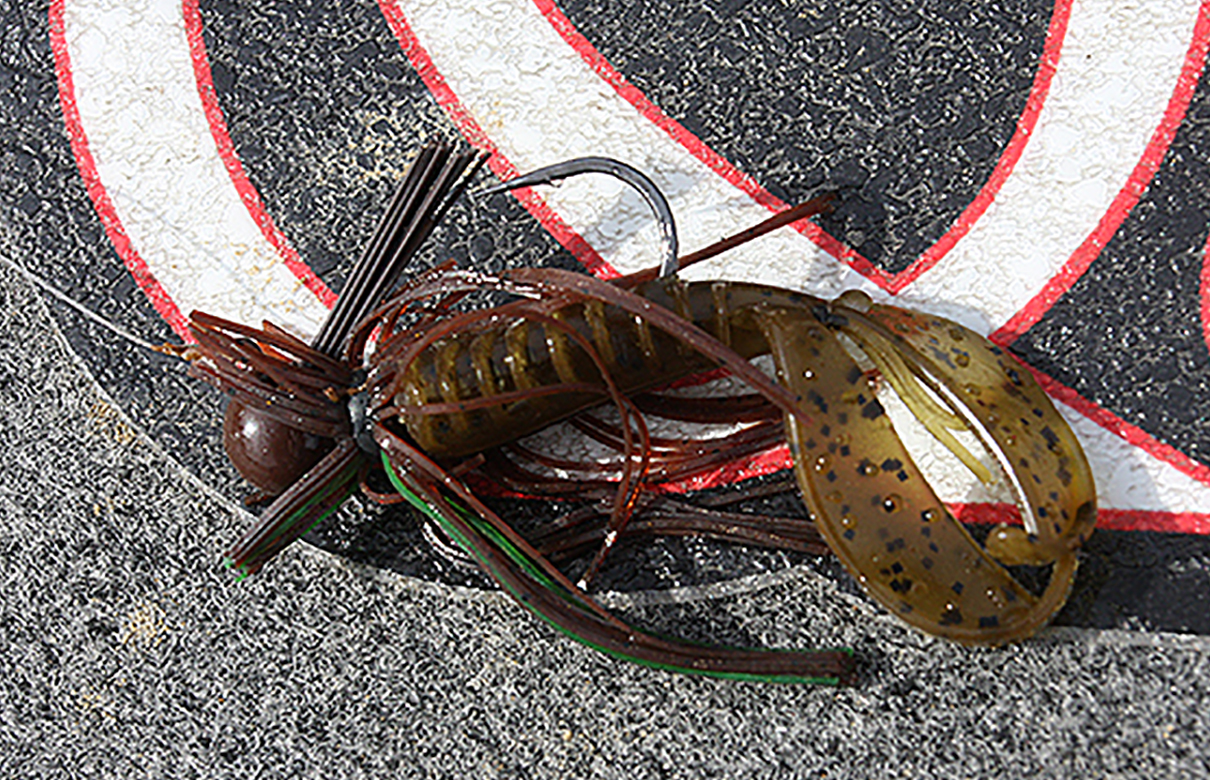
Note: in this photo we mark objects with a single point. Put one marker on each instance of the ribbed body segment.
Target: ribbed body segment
(525, 354)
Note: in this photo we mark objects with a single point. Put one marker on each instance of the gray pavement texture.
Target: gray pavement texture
(125, 651)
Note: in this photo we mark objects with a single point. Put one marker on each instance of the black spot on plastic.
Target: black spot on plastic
(951, 617)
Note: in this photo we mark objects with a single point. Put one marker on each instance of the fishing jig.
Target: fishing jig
(441, 398)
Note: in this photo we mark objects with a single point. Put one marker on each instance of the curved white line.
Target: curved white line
(540, 103)
(536, 98)
(156, 158)
(1129, 477)
(1116, 74)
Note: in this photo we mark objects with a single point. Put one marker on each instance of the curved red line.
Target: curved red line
(1138, 181)
(983, 513)
(1132, 434)
(235, 169)
(143, 277)
(1056, 34)
(892, 283)
(499, 163)
(1115, 519)
(1204, 289)
(778, 459)
(1080, 261)
(1107, 519)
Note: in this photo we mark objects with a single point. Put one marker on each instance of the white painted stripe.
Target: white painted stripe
(1117, 72)
(1128, 477)
(539, 103)
(154, 153)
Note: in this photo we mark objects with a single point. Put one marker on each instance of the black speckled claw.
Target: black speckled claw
(877, 509)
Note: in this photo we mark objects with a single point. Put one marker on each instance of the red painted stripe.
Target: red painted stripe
(1092, 246)
(1107, 519)
(101, 202)
(778, 459)
(1117, 519)
(758, 465)
(1132, 434)
(235, 170)
(1136, 184)
(892, 283)
(1205, 292)
(499, 163)
(1056, 34)
(775, 460)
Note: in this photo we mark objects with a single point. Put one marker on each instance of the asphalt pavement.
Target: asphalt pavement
(1036, 170)
(127, 652)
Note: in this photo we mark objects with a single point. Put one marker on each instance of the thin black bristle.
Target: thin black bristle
(426, 193)
(375, 258)
(371, 254)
